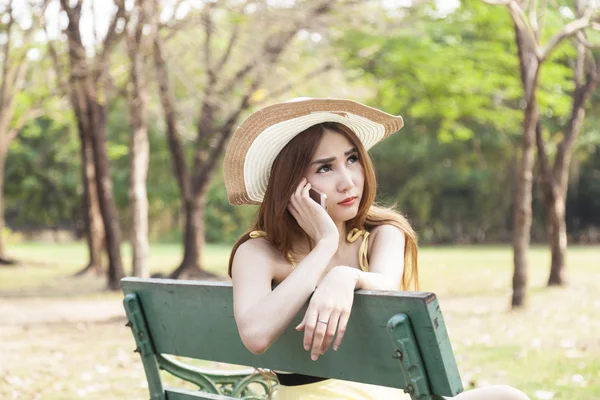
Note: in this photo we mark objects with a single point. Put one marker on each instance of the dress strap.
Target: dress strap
(258, 234)
(363, 259)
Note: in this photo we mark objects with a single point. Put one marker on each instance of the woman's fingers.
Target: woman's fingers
(330, 333)
(292, 209)
(341, 329)
(319, 336)
(309, 328)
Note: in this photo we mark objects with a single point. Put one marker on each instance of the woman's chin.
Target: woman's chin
(345, 214)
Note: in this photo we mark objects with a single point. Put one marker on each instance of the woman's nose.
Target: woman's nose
(346, 183)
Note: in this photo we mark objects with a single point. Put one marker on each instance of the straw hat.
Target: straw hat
(259, 139)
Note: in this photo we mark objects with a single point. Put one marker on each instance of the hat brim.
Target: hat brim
(259, 139)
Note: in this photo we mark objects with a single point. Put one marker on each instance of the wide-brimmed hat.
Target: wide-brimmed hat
(259, 139)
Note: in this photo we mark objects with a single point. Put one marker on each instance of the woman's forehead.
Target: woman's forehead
(333, 142)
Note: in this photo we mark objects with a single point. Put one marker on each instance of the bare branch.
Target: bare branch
(542, 18)
(583, 40)
(568, 30)
(208, 31)
(533, 19)
(498, 2)
(205, 168)
(6, 64)
(232, 40)
(175, 9)
(313, 74)
(580, 61)
(274, 45)
(522, 24)
(72, 12)
(58, 68)
(112, 36)
(30, 114)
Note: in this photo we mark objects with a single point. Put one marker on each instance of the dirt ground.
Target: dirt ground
(72, 349)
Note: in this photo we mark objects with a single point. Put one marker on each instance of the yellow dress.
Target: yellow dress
(334, 388)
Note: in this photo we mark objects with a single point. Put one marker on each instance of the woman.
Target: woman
(274, 159)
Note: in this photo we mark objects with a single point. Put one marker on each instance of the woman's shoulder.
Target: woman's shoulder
(385, 232)
(255, 246)
(257, 249)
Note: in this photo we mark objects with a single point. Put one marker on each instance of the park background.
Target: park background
(114, 118)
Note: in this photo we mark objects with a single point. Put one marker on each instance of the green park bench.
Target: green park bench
(395, 339)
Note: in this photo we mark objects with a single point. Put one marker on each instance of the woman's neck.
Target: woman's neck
(342, 230)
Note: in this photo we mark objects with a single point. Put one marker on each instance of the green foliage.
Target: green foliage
(454, 78)
(43, 176)
(225, 223)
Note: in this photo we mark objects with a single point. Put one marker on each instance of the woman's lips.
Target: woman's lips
(348, 202)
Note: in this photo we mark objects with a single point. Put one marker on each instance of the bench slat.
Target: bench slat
(185, 394)
(195, 319)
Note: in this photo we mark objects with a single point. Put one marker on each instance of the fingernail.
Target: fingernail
(306, 347)
(335, 348)
(314, 357)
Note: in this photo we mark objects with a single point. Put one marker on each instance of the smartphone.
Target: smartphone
(319, 197)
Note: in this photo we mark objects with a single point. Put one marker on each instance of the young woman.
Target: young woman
(274, 159)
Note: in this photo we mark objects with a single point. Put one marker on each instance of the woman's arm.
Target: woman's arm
(262, 314)
(386, 261)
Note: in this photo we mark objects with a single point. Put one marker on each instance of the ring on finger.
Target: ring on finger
(323, 322)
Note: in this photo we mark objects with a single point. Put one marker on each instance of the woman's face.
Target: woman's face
(336, 171)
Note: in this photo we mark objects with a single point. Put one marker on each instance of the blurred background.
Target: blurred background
(114, 117)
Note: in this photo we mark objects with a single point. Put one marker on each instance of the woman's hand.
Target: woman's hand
(329, 310)
(311, 217)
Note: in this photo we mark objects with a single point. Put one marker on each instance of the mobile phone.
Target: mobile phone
(319, 197)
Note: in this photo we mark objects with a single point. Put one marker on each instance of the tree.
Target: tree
(555, 178)
(139, 147)
(87, 82)
(228, 91)
(15, 65)
(532, 55)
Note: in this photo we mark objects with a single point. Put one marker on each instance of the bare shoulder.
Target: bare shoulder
(258, 253)
(386, 235)
(387, 231)
(254, 249)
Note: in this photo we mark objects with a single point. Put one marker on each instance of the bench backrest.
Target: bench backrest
(195, 319)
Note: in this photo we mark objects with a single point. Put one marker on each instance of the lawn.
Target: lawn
(64, 337)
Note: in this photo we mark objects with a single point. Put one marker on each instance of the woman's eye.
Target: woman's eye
(352, 159)
(324, 168)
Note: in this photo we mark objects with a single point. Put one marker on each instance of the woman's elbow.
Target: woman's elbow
(257, 347)
(255, 341)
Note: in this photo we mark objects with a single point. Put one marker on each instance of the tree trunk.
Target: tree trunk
(91, 119)
(94, 228)
(3, 257)
(555, 180)
(194, 240)
(529, 71)
(522, 210)
(105, 192)
(140, 153)
(193, 205)
(557, 235)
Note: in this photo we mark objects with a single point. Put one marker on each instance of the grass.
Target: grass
(64, 337)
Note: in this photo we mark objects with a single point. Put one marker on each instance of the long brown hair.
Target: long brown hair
(286, 173)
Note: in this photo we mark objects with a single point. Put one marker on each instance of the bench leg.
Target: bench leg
(137, 322)
(408, 355)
